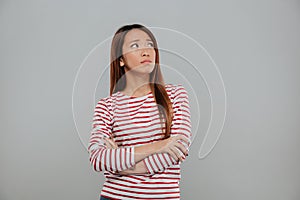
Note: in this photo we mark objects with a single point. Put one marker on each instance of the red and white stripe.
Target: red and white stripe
(134, 121)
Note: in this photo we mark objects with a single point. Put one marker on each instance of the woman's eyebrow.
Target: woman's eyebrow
(139, 40)
(134, 40)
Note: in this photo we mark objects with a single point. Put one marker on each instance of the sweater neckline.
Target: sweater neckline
(135, 97)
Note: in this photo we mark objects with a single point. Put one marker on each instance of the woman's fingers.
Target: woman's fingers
(183, 138)
(181, 147)
(176, 147)
(112, 143)
(174, 152)
(107, 143)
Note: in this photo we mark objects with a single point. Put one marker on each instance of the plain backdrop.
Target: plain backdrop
(243, 55)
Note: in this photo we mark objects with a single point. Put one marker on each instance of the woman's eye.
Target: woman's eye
(151, 44)
(135, 45)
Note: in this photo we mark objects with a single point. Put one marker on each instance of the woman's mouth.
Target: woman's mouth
(146, 61)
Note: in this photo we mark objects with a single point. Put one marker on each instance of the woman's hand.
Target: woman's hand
(139, 168)
(110, 143)
(172, 145)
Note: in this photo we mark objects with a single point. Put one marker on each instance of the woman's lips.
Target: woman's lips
(146, 61)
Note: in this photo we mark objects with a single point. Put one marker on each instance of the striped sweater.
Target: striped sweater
(134, 121)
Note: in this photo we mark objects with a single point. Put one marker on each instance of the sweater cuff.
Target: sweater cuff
(131, 156)
(148, 165)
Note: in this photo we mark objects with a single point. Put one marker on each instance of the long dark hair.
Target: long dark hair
(157, 85)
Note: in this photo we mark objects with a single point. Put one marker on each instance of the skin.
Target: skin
(137, 47)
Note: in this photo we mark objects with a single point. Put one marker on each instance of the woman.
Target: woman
(141, 132)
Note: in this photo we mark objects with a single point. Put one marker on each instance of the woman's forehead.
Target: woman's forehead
(136, 34)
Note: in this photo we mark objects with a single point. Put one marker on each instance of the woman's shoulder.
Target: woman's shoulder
(108, 100)
(171, 88)
(174, 87)
(103, 101)
(176, 91)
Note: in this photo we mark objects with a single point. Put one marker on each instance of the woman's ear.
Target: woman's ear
(122, 62)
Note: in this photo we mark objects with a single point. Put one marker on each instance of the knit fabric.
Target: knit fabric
(133, 121)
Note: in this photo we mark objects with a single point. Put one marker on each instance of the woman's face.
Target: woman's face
(138, 52)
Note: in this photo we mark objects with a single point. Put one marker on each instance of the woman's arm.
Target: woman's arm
(138, 168)
(101, 157)
(181, 125)
(167, 145)
(120, 159)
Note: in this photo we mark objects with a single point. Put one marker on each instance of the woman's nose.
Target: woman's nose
(145, 52)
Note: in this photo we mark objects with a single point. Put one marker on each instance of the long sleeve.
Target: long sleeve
(102, 158)
(181, 124)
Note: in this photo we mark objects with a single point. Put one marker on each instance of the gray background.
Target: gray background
(255, 44)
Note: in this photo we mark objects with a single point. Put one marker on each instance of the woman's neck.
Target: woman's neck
(137, 85)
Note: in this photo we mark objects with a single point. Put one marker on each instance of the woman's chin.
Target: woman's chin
(144, 69)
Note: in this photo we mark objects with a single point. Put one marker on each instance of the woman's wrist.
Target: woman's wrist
(139, 168)
(143, 151)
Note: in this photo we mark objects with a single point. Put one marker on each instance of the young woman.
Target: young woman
(142, 130)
